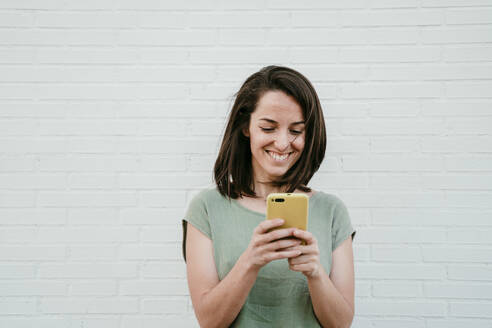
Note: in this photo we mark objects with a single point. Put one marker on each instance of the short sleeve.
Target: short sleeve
(197, 215)
(341, 227)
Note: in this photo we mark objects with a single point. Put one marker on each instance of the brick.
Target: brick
(164, 234)
(403, 323)
(169, 287)
(17, 235)
(17, 271)
(86, 199)
(32, 181)
(33, 288)
(16, 164)
(92, 253)
(451, 145)
(469, 273)
(388, 163)
(468, 89)
(401, 235)
(92, 181)
(89, 19)
(165, 305)
(431, 217)
(163, 163)
(187, 320)
(454, 3)
(400, 271)
(318, 37)
(397, 289)
(32, 216)
(468, 53)
(237, 55)
(18, 306)
(38, 321)
(90, 288)
(470, 236)
(88, 235)
(87, 270)
(239, 20)
(395, 253)
(401, 308)
(170, 37)
(17, 55)
(393, 126)
(458, 290)
(151, 216)
(150, 252)
(455, 35)
(390, 54)
(313, 4)
(471, 254)
(470, 309)
(16, 127)
(32, 253)
(164, 269)
(17, 199)
(400, 17)
(97, 127)
(89, 216)
(16, 19)
(468, 16)
(457, 323)
(161, 199)
(468, 163)
(390, 90)
(457, 181)
(86, 55)
(88, 163)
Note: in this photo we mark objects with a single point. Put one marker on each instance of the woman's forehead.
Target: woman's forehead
(278, 105)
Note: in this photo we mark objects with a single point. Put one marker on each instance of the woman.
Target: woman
(240, 272)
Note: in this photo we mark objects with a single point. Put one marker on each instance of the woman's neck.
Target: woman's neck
(262, 190)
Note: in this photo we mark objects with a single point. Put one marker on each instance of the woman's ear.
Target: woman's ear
(246, 132)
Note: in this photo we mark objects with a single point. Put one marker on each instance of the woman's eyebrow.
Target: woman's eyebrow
(275, 122)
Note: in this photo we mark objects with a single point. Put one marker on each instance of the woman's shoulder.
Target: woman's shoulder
(206, 195)
(327, 199)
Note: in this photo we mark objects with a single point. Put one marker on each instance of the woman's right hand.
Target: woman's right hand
(266, 245)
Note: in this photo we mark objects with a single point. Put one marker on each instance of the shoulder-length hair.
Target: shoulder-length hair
(233, 169)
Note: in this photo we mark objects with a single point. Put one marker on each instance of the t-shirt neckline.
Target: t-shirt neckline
(239, 205)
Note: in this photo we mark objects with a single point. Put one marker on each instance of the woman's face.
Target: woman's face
(276, 133)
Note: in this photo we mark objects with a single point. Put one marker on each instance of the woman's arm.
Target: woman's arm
(217, 303)
(332, 296)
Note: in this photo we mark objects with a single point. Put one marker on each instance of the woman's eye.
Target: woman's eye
(295, 132)
(267, 129)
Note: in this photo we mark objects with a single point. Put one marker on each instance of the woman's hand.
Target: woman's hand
(308, 261)
(265, 245)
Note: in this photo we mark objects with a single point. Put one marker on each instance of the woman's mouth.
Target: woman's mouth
(278, 157)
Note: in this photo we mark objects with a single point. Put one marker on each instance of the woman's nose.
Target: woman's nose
(282, 141)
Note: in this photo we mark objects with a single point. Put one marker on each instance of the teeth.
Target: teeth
(278, 157)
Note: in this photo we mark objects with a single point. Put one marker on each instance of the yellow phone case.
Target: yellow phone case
(291, 207)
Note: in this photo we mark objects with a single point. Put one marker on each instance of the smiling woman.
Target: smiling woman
(282, 103)
(241, 272)
(276, 133)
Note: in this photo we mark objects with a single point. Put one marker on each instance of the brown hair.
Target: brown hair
(233, 171)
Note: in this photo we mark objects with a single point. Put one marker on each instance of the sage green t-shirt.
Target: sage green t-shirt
(280, 297)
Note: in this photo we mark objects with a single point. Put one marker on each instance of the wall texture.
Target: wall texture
(111, 114)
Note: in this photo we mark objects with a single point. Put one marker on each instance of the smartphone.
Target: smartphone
(292, 207)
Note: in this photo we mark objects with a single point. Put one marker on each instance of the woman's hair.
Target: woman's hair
(233, 171)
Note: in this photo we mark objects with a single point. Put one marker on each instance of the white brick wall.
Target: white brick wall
(111, 113)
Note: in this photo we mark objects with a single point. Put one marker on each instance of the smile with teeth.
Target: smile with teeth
(277, 156)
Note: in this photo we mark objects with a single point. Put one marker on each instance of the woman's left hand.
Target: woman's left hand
(308, 262)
